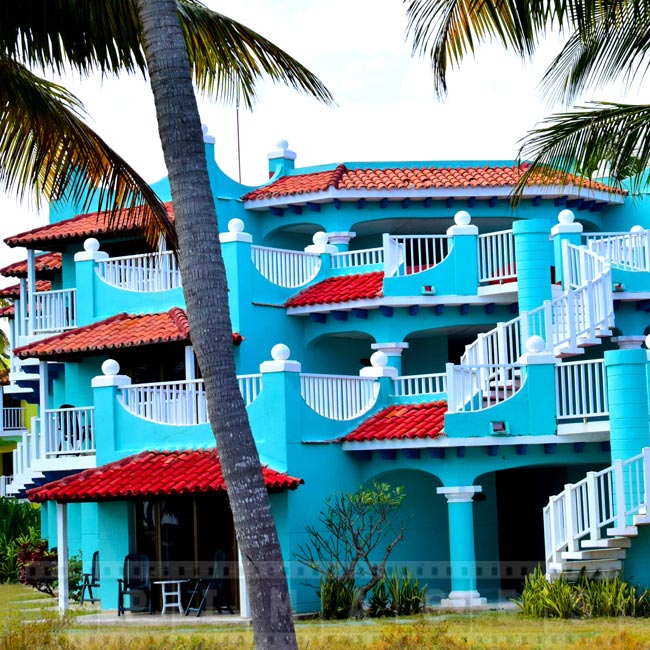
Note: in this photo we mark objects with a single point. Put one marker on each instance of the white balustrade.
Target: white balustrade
(175, 403)
(5, 482)
(13, 418)
(475, 387)
(179, 403)
(69, 431)
(353, 259)
(585, 510)
(339, 397)
(496, 257)
(250, 387)
(143, 273)
(286, 268)
(581, 390)
(629, 251)
(409, 254)
(409, 385)
(54, 311)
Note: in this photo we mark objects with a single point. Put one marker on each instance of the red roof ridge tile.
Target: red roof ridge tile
(340, 288)
(179, 318)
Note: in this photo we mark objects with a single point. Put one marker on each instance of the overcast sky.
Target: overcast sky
(386, 106)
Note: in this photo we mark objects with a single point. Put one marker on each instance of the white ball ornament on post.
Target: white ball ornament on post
(280, 352)
(110, 367)
(236, 225)
(565, 217)
(462, 218)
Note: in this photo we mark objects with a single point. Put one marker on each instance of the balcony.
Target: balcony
(13, 420)
(147, 273)
(45, 313)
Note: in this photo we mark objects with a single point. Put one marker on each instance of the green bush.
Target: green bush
(338, 599)
(587, 598)
(17, 519)
(406, 595)
(379, 602)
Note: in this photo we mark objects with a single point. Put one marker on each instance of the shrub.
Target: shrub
(379, 602)
(338, 599)
(406, 595)
(37, 564)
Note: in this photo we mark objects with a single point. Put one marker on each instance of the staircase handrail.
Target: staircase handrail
(339, 397)
(581, 390)
(286, 268)
(629, 251)
(586, 509)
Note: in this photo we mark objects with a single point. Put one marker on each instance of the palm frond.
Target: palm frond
(581, 142)
(47, 150)
(612, 45)
(227, 58)
(445, 31)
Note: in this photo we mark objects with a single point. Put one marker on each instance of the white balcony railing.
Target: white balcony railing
(629, 251)
(13, 418)
(585, 510)
(143, 273)
(286, 268)
(339, 397)
(476, 387)
(54, 311)
(179, 403)
(354, 259)
(496, 257)
(68, 431)
(581, 391)
(409, 254)
(411, 385)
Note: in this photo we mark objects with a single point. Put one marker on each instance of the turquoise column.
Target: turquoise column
(533, 254)
(464, 251)
(462, 555)
(627, 394)
(105, 389)
(85, 280)
(564, 231)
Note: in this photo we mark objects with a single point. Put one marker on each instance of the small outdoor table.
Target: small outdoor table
(171, 594)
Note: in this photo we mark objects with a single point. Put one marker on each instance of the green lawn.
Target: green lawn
(444, 631)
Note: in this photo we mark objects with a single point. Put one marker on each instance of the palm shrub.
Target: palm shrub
(379, 602)
(17, 519)
(406, 595)
(338, 599)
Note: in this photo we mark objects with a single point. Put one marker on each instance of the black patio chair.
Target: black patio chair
(136, 581)
(91, 580)
(202, 587)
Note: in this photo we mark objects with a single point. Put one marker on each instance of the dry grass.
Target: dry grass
(444, 631)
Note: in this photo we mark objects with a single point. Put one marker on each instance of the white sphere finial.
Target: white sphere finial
(235, 225)
(462, 218)
(535, 344)
(110, 367)
(637, 229)
(208, 139)
(91, 245)
(320, 238)
(379, 359)
(565, 216)
(280, 352)
(282, 144)
(647, 341)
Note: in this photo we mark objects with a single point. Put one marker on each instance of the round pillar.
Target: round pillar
(533, 254)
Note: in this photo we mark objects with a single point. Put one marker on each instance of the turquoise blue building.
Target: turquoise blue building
(399, 322)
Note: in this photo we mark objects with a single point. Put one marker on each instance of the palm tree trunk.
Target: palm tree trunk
(206, 296)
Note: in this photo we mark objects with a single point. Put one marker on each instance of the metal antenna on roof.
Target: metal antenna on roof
(238, 141)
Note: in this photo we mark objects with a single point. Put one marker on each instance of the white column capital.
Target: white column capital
(390, 349)
(459, 494)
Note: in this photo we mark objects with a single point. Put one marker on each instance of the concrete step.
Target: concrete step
(586, 342)
(628, 531)
(607, 542)
(596, 554)
(564, 351)
(572, 576)
(588, 565)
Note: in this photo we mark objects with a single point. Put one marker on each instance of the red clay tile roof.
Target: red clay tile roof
(120, 331)
(342, 288)
(401, 422)
(13, 291)
(46, 263)
(56, 236)
(7, 312)
(150, 474)
(402, 178)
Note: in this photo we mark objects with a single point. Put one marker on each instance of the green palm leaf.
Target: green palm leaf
(46, 149)
(227, 58)
(602, 135)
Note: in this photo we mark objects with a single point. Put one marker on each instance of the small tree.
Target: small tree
(353, 526)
